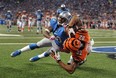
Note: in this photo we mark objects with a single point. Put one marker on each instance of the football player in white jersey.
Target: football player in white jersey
(30, 22)
(18, 17)
(47, 18)
(23, 20)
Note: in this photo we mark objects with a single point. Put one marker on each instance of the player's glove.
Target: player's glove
(89, 49)
(71, 31)
(52, 37)
(55, 56)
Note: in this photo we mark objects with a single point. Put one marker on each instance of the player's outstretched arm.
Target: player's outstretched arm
(73, 20)
(69, 68)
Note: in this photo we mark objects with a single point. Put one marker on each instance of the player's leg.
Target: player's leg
(7, 25)
(43, 43)
(54, 48)
(33, 24)
(44, 54)
(29, 25)
(38, 27)
(23, 25)
(19, 26)
(10, 24)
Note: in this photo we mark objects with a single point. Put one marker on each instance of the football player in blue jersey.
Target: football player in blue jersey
(39, 16)
(8, 20)
(54, 42)
(61, 9)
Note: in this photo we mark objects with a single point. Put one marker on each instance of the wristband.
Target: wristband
(58, 61)
(70, 27)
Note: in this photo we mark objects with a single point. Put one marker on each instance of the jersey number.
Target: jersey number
(82, 37)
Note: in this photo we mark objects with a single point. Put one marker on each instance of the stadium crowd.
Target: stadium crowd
(92, 12)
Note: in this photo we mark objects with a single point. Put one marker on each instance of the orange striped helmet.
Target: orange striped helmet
(71, 44)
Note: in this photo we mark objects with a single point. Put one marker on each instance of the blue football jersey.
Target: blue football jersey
(59, 32)
(61, 10)
(39, 16)
(8, 16)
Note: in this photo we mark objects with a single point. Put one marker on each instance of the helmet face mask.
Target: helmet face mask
(61, 19)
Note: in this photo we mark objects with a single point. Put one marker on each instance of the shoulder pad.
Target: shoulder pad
(53, 21)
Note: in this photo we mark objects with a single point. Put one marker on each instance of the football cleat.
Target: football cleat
(16, 53)
(33, 59)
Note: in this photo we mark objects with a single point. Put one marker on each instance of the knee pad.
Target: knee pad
(33, 46)
(46, 54)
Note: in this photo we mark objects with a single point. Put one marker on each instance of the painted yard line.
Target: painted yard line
(13, 43)
(9, 35)
(30, 43)
(105, 42)
(103, 37)
(109, 32)
(20, 37)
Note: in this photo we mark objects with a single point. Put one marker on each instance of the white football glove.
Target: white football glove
(71, 31)
(92, 42)
(52, 37)
(89, 49)
(55, 56)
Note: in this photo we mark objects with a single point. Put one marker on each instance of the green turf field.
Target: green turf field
(97, 65)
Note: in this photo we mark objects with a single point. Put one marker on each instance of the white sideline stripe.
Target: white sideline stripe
(106, 42)
(103, 37)
(30, 43)
(21, 37)
(13, 43)
(9, 35)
